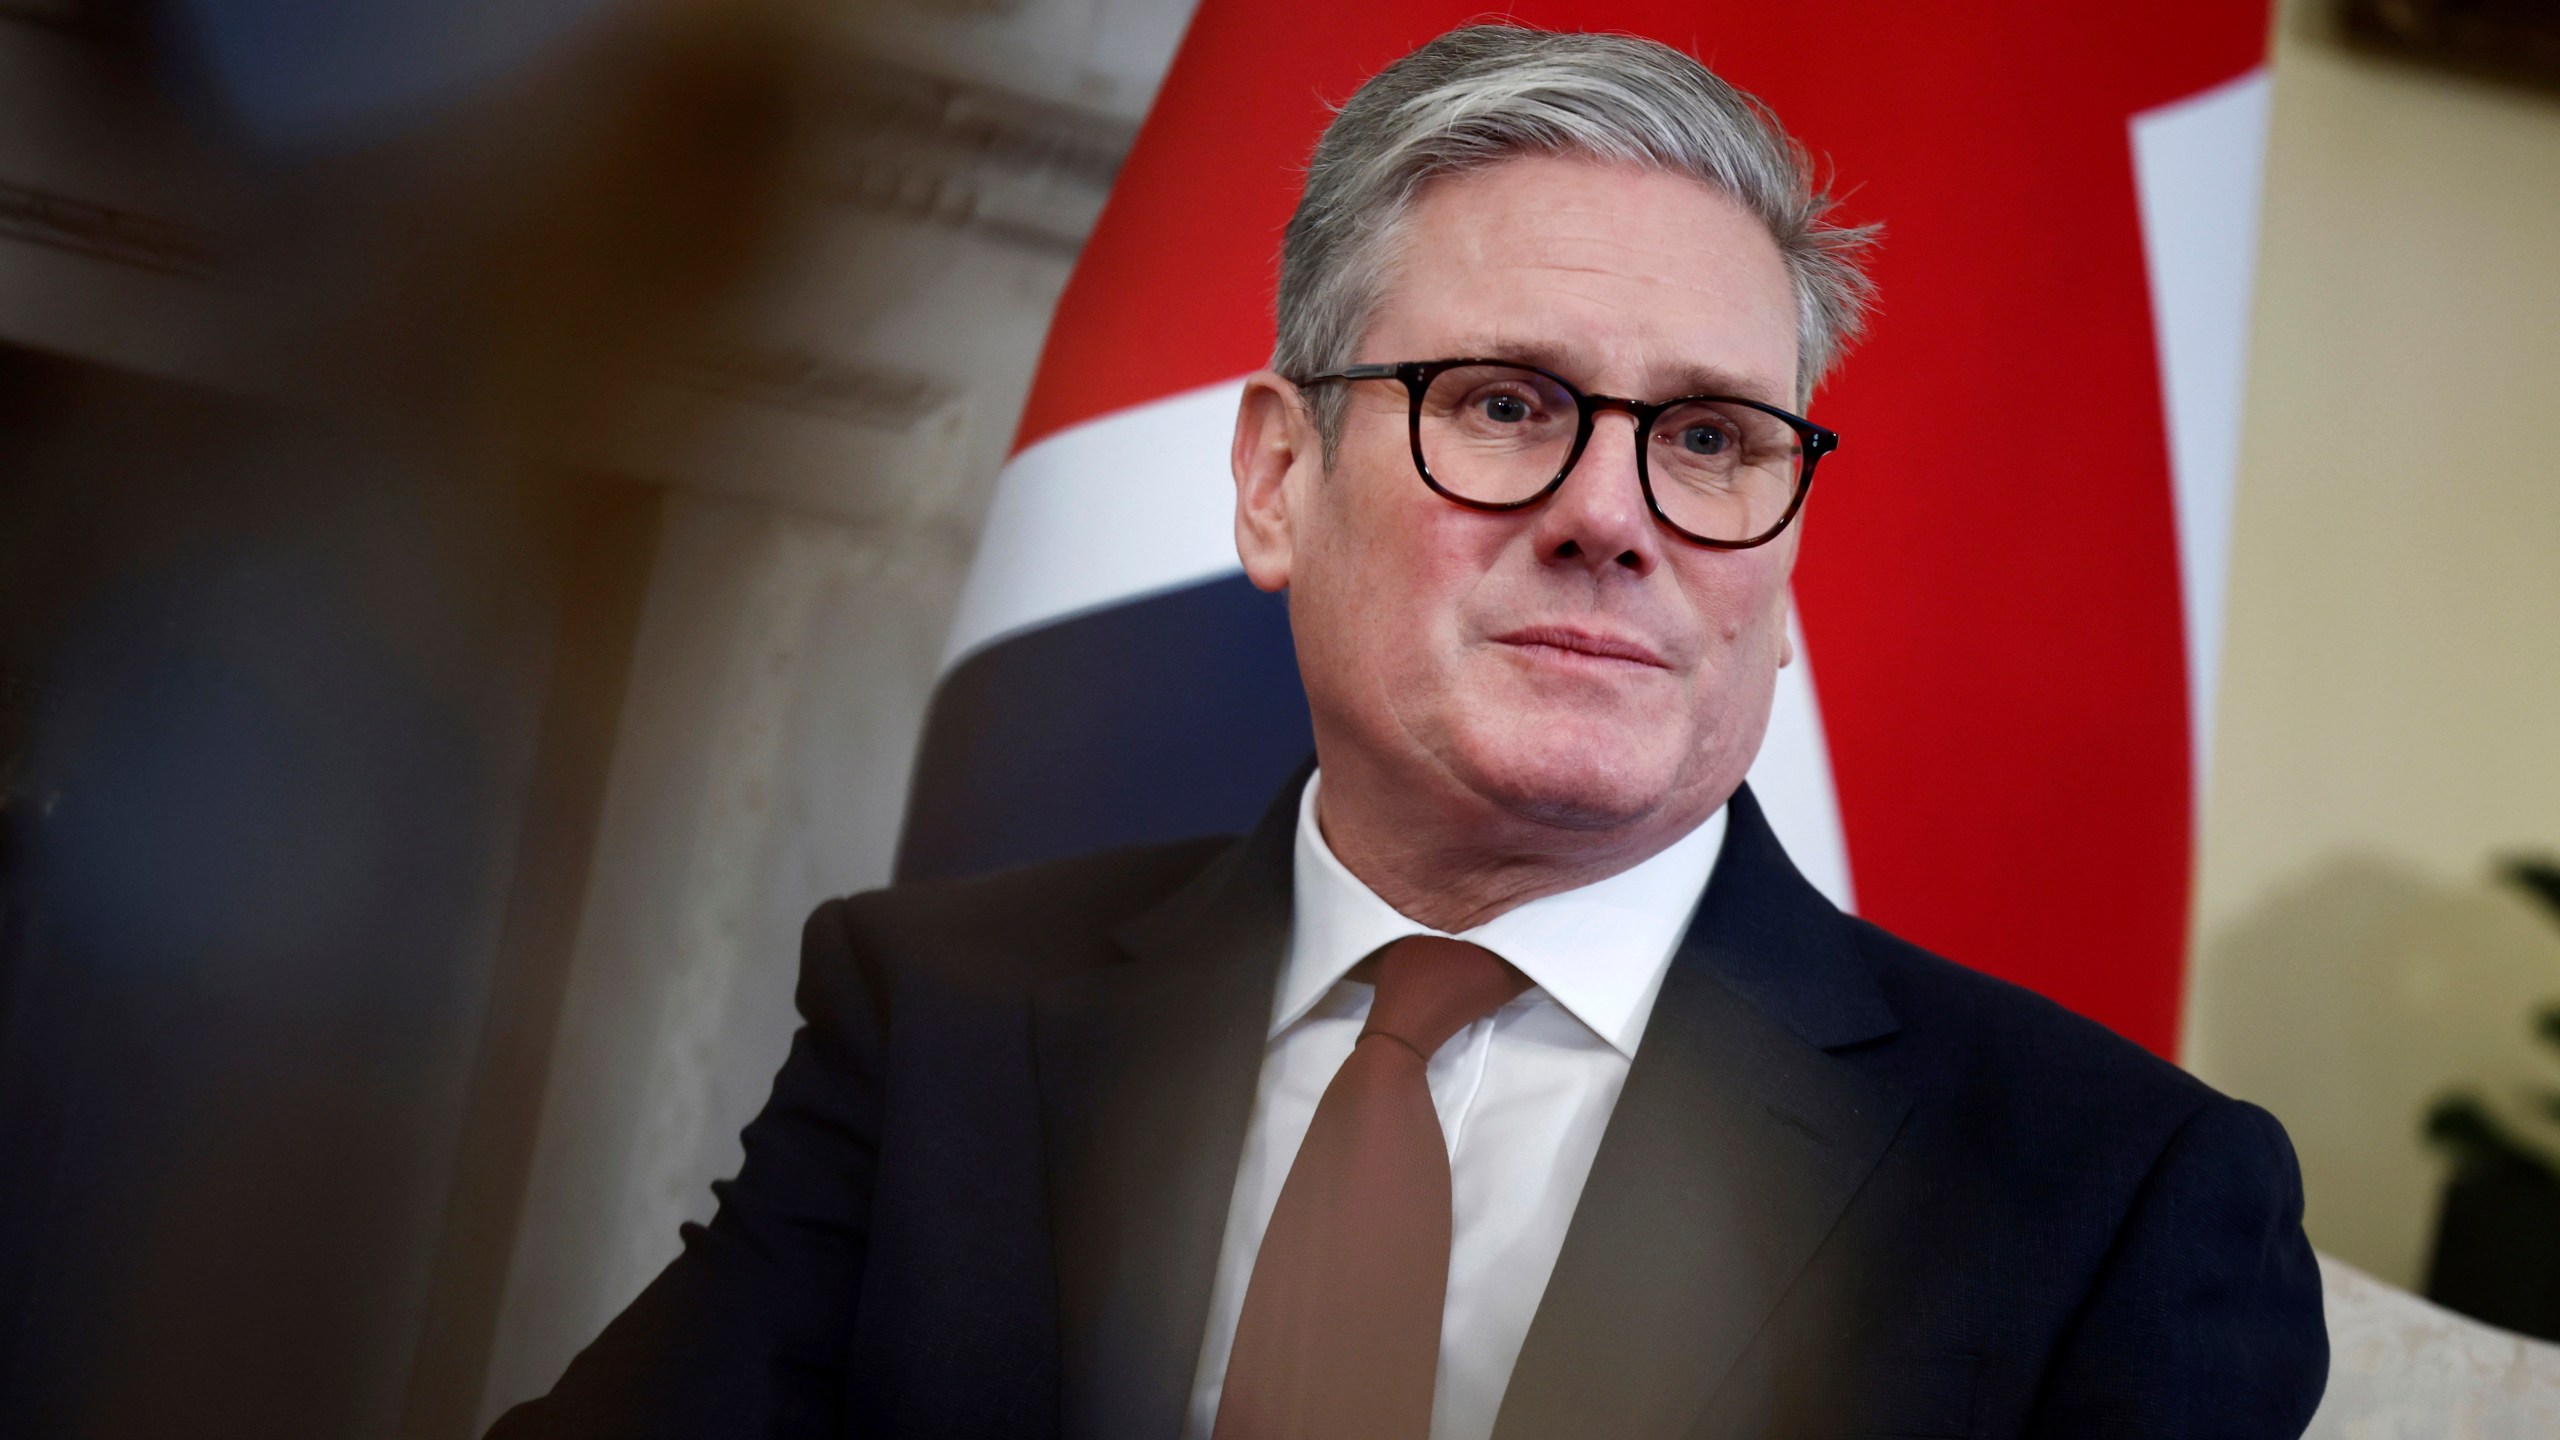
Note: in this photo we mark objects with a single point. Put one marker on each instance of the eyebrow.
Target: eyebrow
(1689, 379)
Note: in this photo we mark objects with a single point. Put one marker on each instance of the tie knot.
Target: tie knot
(1431, 987)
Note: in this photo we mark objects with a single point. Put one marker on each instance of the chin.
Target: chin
(1568, 776)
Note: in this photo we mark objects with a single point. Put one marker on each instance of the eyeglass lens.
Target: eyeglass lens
(1497, 435)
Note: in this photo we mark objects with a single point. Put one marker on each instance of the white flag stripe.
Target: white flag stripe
(1792, 777)
(1130, 504)
(2197, 167)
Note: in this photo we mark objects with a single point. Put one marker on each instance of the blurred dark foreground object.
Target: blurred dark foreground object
(2497, 1246)
(307, 677)
(2511, 40)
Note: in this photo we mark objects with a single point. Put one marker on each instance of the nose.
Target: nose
(1598, 519)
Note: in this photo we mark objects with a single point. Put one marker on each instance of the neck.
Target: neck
(1460, 864)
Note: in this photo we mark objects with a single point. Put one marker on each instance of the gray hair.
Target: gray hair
(1483, 94)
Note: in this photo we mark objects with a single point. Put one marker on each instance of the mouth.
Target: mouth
(1566, 642)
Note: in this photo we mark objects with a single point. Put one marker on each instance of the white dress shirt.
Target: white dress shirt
(1522, 1095)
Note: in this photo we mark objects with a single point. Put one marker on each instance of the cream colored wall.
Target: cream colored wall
(2390, 710)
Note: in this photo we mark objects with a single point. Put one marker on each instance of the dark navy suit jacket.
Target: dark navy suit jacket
(1849, 1189)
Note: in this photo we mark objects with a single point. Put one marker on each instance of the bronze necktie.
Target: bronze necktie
(1339, 1338)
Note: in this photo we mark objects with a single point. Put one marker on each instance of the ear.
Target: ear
(1794, 541)
(1276, 451)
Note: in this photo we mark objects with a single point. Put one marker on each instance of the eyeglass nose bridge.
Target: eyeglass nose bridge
(1642, 412)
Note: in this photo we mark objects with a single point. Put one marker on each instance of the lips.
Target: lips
(1587, 643)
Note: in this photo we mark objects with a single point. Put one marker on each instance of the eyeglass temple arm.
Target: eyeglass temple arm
(1358, 372)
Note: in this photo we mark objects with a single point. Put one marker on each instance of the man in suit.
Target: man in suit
(1507, 1080)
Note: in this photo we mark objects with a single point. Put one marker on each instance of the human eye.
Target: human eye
(1704, 440)
(1505, 403)
(1699, 437)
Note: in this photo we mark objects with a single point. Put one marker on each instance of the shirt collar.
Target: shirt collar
(1599, 951)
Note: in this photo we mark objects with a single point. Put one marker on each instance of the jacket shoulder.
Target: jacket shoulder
(1983, 1036)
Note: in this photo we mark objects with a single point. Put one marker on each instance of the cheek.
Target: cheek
(1400, 559)
(1367, 582)
(1743, 602)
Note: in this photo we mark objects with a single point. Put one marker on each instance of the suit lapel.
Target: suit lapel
(1734, 1148)
(1147, 1074)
